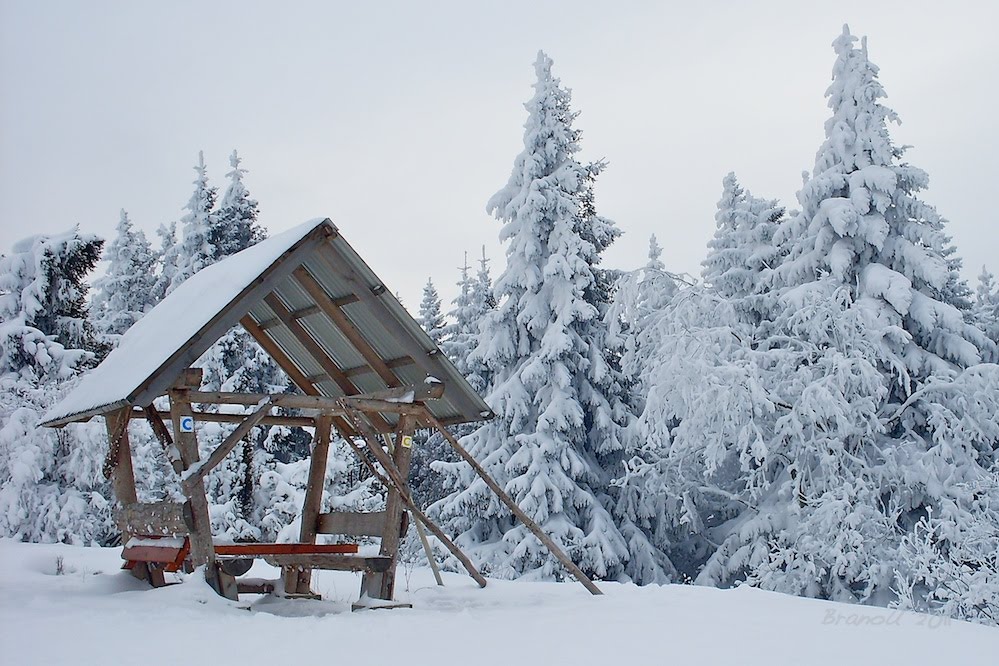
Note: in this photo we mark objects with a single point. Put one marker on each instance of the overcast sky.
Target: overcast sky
(399, 120)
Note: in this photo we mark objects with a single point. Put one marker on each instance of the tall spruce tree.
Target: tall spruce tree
(555, 422)
(167, 258)
(51, 488)
(127, 289)
(430, 317)
(234, 226)
(742, 254)
(195, 250)
(857, 437)
(986, 307)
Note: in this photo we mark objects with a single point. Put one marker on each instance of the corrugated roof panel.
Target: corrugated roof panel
(380, 320)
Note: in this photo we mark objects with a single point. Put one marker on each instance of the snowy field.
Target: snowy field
(95, 614)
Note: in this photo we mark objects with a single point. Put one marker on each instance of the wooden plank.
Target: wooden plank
(410, 392)
(157, 554)
(528, 522)
(276, 353)
(255, 586)
(331, 561)
(157, 518)
(308, 311)
(392, 363)
(346, 326)
(261, 549)
(383, 406)
(426, 359)
(196, 472)
(313, 496)
(289, 400)
(391, 398)
(314, 349)
(391, 477)
(276, 419)
(348, 523)
(297, 376)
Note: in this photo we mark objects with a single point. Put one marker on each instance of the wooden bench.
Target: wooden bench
(156, 555)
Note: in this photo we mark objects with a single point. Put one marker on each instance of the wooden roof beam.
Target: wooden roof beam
(275, 352)
(314, 349)
(346, 326)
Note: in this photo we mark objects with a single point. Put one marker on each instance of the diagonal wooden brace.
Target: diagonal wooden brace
(392, 478)
(199, 470)
(529, 523)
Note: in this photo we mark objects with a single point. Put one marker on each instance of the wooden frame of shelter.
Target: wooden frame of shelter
(364, 368)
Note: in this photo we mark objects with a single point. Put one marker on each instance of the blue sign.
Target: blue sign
(187, 424)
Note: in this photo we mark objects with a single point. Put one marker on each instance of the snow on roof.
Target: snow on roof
(155, 338)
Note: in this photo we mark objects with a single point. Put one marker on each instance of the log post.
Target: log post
(382, 585)
(202, 548)
(302, 582)
(123, 478)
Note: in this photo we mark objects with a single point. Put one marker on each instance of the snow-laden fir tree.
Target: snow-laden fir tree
(848, 430)
(51, 488)
(555, 422)
(195, 250)
(127, 289)
(483, 301)
(234, 226)
(460, 333)
(167, 258)
(639, 295)
(742, 253)
(430, 316)
(459, 337)
(986, 307)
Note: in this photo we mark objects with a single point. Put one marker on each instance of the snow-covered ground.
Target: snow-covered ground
(93, 613)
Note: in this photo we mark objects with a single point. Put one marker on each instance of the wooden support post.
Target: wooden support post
(422, 533)
(119, 467)
(391, 478)
(302, 582)
(202, 549)
(576, 572)
(382, 585)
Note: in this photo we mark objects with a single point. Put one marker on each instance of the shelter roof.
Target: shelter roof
(313, 305)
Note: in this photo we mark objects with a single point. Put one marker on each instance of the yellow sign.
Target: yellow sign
(407, 441)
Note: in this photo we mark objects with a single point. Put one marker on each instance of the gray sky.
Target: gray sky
(399, 120)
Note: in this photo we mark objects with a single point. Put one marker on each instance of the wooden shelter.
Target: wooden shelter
(364, 368)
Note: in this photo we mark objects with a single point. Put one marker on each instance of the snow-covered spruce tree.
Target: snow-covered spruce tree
(555, 423)
(742, 253)
(483, 301)
(986, 307)
(869, 358)
(167, 258)
(430, 316)
(234, 226)
(127, 290)
(639, 296)
(195, 250)
(51, 488)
